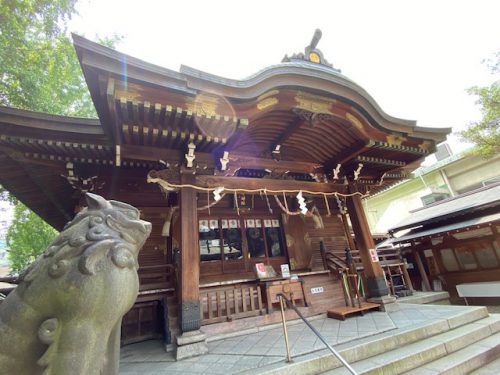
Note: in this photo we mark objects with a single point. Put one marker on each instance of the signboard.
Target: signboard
(285, 270)
(374, 255)
(316, 290)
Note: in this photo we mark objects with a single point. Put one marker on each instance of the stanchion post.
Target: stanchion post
(285, 333)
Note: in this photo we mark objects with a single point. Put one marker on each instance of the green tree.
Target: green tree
(39, 71)
(26, 238)
(485, 134)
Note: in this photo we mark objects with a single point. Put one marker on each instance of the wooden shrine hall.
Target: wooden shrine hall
(235, 175)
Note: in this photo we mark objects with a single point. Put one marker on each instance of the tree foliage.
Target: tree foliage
(38, 64)
(39, 71)
(485, 134)
(26, 238)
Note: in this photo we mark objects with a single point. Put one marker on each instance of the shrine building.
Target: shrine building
(234, 175)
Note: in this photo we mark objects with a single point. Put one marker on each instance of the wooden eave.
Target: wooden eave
(153, 108)
(317, 117)
(189, 81)
(34, 150)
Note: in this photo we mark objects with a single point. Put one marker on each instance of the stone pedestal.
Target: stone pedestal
(387, 303)
(377, 286)
(191, 344)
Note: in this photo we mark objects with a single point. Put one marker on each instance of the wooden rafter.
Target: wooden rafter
(33, 176)
(287, 133)
(348, 154)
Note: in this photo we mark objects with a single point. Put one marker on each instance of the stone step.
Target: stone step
(390, 341)
(492, 368)
(425, 297)
(474, 356)
(433, 349)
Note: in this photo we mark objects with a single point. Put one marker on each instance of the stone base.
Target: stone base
(191, 344)
(386, 302)
(377, 286)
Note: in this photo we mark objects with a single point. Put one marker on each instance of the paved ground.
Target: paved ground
(252, 351)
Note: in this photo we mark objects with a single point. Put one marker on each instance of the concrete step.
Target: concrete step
(426, 297)
(416, 345)
(419, 354)
(474, 356)
(492, 368)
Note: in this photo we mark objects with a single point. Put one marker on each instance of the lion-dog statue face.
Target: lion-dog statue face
(64, 317)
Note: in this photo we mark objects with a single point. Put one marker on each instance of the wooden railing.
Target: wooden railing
(390, 260)
(335, 260)
(227, 304)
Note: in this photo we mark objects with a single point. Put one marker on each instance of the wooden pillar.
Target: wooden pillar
(375, 277)
(189, 257)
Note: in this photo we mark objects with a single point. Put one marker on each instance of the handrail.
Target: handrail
(10, 279)
(335, 353)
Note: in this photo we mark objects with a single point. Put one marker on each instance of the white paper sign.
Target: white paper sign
(285, 270)
(374, 255)
(203, 225)
(214, 224)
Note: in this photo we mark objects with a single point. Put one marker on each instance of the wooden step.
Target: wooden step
(343, 311)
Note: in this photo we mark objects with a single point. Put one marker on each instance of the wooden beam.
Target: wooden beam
(401, 148)
(236, 160)
(379, 161)
(134, 152)
(259, 183)
(242, 161)
(348, 154)
(44, 122)
(287, 133)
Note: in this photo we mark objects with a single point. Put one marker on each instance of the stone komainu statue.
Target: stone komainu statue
(64, 317)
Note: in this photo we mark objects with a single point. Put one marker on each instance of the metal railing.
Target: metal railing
(284, 300)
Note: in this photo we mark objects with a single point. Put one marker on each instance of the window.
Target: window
(209, 240)
(433, 197)
(225, 239)
(485, 256)
(255, 238)
(449, 260)
(466, 258)
(274, 238)
(496, 245)
(231, 239)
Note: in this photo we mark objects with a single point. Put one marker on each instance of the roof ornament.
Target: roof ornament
(311, 53)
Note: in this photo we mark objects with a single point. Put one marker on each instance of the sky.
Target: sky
(415, 58)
